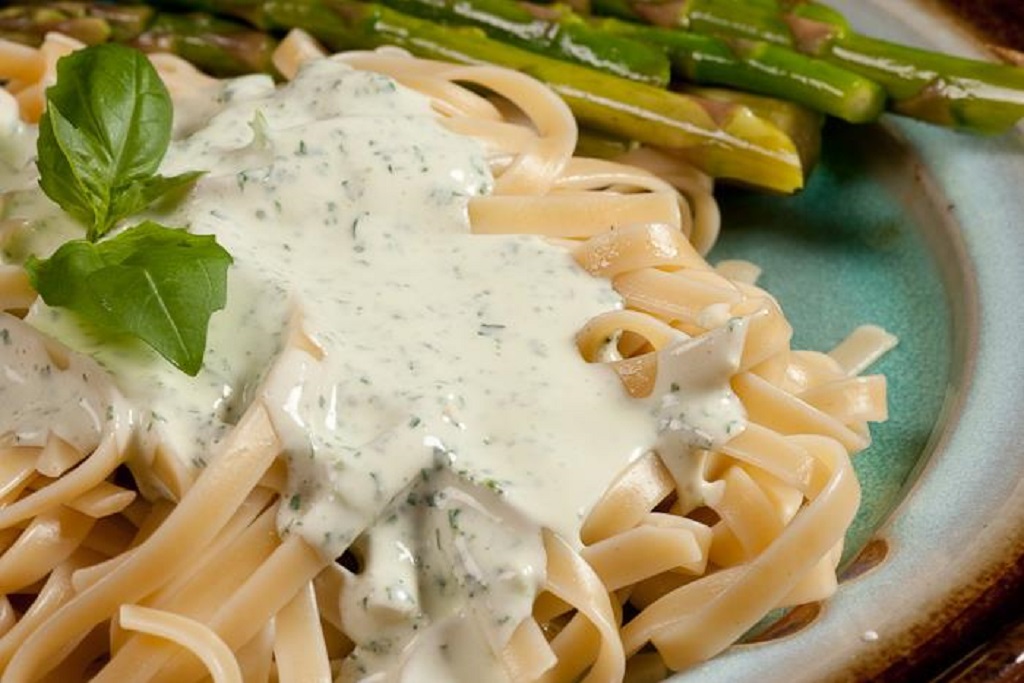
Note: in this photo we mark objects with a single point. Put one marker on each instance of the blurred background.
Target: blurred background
(999, 21)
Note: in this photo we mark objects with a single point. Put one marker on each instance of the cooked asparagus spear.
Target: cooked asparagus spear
(30, 24)
(758, 67)
(552, 32)
(761, 68)
(943, 89)
(802, 125)
(764, 68)
(249, 11)
(726, 140)
(220, 47)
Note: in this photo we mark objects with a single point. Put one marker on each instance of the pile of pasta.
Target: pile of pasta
(103, 579)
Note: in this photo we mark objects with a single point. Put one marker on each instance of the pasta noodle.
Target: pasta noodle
(196, 637)
(121, 562)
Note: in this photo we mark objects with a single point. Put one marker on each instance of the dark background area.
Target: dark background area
(999, 21)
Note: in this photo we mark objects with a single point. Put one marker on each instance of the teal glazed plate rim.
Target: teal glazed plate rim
(921, 231)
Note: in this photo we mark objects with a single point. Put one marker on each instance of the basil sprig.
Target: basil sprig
(105, 131)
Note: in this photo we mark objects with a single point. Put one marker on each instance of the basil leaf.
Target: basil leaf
(142, 193)
(158, 284)
(57, 277)
(106, 129)
(57, 177)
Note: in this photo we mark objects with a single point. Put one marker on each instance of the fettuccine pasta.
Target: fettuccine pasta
(130, 553)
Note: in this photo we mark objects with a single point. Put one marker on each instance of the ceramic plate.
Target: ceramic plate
(921, 231)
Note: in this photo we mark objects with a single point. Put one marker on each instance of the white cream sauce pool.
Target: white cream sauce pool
(449, 416)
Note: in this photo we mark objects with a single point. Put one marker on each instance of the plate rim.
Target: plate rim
(993, 570)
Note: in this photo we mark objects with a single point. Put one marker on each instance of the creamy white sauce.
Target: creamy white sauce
(43, 390)
(696, 410)
(17, 147)
(450, 416)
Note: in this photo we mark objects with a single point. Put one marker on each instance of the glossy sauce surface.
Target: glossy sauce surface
(447, 415)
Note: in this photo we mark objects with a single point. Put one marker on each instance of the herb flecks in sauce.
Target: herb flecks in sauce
(451, 416)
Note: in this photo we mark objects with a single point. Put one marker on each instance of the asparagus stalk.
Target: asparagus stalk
(950, 91)
(29, 25)
(754, 66)
(220, 47)
(801, 124)
(812, 11)
(553, 32)
(602, 146)
(943, 89)
(249, 11)
(725, 140)
(763, 68)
